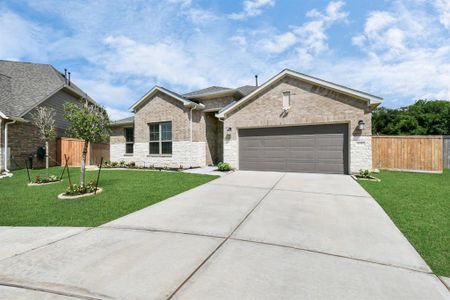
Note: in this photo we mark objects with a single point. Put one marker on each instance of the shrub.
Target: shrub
(364, 174)
(131, 164)
(51, 178)
(223, 167)
(114, 164)
(75, 189)
(122, 164)
(106, 164)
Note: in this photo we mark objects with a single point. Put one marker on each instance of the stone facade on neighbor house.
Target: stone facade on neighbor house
(218, 117)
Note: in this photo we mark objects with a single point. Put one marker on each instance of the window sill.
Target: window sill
(128, 154)
(159, 155)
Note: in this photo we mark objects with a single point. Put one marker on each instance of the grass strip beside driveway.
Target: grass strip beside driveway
(124, 192)
(419, 204)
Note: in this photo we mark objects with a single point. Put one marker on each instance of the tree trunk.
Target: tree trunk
(46, 158)
(83, 164)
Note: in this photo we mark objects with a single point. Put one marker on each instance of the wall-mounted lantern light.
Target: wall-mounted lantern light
(361, 125)
(228, 129)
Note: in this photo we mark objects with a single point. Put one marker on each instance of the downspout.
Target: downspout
(6, 144)
(190, 128)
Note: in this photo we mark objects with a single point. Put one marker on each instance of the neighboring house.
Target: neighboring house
(293, 122)
(24, 87)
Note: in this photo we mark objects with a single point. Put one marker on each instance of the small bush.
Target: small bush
(114, 164)
(131, 164)
(223, 167)
(75, 189)
(364, 174)
(122, 164)
(51, 178)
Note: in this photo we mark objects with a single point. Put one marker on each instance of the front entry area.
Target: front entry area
(309, 148)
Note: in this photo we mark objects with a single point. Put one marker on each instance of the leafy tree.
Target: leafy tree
(424, 117)
(89, 123)
(44, 119)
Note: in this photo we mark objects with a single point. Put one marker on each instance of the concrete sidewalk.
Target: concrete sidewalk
(247, 235)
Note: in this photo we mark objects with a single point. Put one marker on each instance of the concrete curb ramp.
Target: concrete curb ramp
(247, 235)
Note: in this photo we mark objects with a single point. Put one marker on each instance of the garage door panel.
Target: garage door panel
(315, 148)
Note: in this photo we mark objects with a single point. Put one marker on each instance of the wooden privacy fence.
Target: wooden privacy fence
(415, 153)
(73, 148)
(446, 150)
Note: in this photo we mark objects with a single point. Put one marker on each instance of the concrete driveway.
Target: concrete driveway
(247, 235)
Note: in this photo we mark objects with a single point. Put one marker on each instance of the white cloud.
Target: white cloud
(252, 8)
(310, 38)
(279, 43)
(163, 60)
(21, 38)
(116, 114)
(443, 9)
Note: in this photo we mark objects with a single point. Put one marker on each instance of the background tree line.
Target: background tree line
(425, 117)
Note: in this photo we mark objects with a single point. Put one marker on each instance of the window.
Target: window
(129, 140)
(160, 138)
(286, 99)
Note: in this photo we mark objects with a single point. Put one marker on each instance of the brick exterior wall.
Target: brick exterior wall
(163, 108)
(310, 104)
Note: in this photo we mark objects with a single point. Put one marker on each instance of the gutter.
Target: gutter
(6, 145)
(13, 120)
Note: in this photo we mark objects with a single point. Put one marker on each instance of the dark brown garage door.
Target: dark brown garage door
(315, 148)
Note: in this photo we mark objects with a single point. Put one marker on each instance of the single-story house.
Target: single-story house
(24, 87)
(292, 122)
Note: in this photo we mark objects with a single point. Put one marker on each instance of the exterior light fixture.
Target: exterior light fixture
(361, 125)
(229, 129)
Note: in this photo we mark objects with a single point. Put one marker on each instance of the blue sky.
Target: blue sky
(118, 50)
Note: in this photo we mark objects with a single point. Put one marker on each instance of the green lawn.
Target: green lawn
(419, 204)
(124, 192)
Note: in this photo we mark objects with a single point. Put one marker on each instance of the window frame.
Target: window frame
(160, 139)
(128, 142)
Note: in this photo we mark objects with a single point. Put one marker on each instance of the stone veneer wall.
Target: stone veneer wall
(2, 167)
(310, 104)
(360, 153)
(181, 155)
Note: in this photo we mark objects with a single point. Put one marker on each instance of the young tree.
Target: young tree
(89, 123)
(44, 119)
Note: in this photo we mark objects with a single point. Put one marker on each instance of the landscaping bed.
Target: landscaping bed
(124, 192)
(419, 204)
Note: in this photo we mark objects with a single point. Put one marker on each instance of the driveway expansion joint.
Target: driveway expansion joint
(48, 244)
(53, 291)
(226, 239)
(331, 254)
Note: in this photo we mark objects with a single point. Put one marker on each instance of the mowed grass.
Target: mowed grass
(419, 204)
(124, 192)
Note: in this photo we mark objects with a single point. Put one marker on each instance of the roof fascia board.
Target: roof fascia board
(360, 95)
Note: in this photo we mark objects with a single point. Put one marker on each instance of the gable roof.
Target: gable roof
(29, 84)
(370, 99)
(156, 89)
(215, 91)
(125, 121)
(212, 90)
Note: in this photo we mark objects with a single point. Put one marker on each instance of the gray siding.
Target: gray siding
(446, 151)
(57, 102)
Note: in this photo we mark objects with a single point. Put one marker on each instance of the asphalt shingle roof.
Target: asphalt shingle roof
(123, 121)
(206, 91)
(29, 84)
